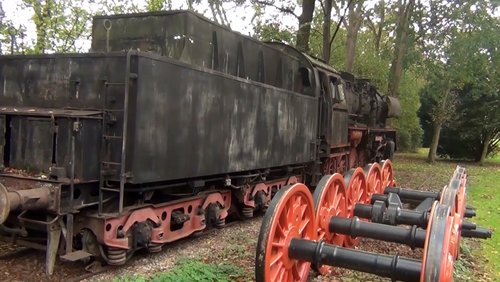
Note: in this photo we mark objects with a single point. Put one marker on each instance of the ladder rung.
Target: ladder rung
(113, 110)
(111, 163)
(110, 189)
(115, 83)
(112, 137)
(108, 172)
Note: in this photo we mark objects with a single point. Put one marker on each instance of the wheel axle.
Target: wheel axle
(411, 236)
(394, 267)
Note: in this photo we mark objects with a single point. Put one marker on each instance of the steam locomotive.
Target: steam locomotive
(171, 124)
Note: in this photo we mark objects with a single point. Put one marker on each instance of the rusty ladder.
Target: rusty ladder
(110, 166)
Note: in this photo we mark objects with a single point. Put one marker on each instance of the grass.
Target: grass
(484, 195)
(190, 270)
(411, 170)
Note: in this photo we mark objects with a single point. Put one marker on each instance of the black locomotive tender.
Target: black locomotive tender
(171, 124)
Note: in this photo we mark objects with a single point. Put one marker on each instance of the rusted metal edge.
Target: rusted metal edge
(50, 112)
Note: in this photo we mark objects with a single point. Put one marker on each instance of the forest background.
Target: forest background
(440, 58)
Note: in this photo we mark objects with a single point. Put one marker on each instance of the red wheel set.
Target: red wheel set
(303, 231)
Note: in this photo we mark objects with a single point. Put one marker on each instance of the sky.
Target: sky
(239, 16)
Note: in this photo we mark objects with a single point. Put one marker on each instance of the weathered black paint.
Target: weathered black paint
(185, 121)
(195, 40)
(192, 122)
(44, 95)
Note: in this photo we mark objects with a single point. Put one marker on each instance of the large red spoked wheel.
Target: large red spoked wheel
(462, 198)
(437, 262)
(454, 196)
(449, 197)
(387, 174)
(290, 215)
(373, 174)
(329, 200)
(356, 192)
(461, 193)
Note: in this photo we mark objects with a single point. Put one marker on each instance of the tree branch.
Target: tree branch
(323, 6)
(272, 4)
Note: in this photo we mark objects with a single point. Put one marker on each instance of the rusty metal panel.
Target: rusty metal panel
(338, 127)
(61, 89)
(48, 112)
(192, 123)
(87, 147)
(74, 81)
(31, 143)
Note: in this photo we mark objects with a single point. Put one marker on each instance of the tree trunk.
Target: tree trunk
(355, 19)
(305, 20)
(484, 151)
(350, 50)
(400, 46)
(378, 35)
(431, 158)
(327, 23)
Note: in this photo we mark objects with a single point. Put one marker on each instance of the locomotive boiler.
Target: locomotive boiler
(170, 124)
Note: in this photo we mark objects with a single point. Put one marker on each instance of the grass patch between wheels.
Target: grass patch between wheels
(195, 270)
(191, 270)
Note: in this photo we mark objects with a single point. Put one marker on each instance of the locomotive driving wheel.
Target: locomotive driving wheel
(341, 164)
(356, 192)
(290, 215)
(335, 164)
(329, 200)
(329, 166)
(387, 174)
(373, 174)
(461, 203)
(462, 197)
